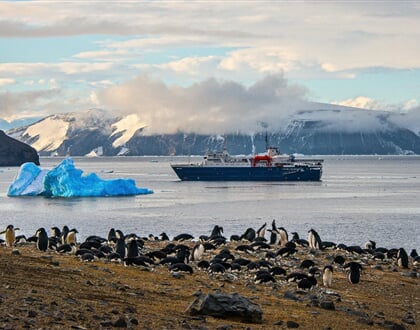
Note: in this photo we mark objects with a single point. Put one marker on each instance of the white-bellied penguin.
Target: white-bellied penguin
(10, 235)
(314, 239)
(197, 252)
(284, 237)
(327, 274)
(71, 237)
(261, 230)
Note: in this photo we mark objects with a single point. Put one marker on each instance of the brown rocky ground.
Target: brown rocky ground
(52, 291)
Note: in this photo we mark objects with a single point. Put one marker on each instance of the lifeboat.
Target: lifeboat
(264, 158)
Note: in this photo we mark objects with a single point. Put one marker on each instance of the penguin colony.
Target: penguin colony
(250, 255)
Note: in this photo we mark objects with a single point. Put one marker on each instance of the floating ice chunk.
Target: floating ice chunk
(66, 180)
(29, 181)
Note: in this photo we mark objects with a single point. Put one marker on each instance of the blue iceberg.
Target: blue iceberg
(66, 180)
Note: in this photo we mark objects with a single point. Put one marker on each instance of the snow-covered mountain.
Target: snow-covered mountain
(326, 129)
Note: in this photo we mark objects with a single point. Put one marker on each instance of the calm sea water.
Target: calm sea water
(359, 198)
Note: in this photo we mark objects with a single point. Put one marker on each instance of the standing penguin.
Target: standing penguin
(132, 248)
(261, 230)
(327, 276)
(42, 239)
(353, 273)
(314, 240)
(197, 252)
(402, 258)
(274, 236)
(71, 237)
(284, 237)
(64, 233)
(10, 235)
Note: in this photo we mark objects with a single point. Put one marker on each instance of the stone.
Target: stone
(327, 304)
(15, 153)
(292, 324)
(226, 306)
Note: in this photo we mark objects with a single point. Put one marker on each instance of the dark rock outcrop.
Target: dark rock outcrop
(226, 306)
(15, 153)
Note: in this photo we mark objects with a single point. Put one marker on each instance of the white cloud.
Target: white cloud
(6, 81)
(362, 102)
(206, 107)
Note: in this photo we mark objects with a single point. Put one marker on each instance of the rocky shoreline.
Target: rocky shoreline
(52, 290)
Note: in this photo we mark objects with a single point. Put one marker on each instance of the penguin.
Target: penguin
(164, 237)
(277, 270)
(314, 240)
(119, 234)
(370, 245)
(64, 233)
(183, 237)
(307, 264)
(264, 277)
(55, 232)
(217, 268)
(10, 235)
(112, 236)
(284, 237)
(353, 273)
(249, 235)
(339, 260)
(71, 237)
(139, 261)
(67, 248)
(181, 267)
(197, 252)
(216, 232)
(327, 273)
(132, 248)
(121, 247)
(42, 239)
(402, 258)
(306, 283)
(299, 241)
(413, 254)
(261, 230)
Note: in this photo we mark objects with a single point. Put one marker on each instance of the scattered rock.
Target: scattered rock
(120, 323)
(409, 319)
(327, 304)
(291, 296)
(365, 320)
(32, 313)
(228, 306)
(292, 324)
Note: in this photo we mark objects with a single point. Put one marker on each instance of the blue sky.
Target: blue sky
(71, 56)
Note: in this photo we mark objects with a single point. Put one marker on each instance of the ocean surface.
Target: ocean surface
(359, 198)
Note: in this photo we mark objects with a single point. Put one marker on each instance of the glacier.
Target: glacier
(65, 180)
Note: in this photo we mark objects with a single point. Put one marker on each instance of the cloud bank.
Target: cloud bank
(208, 107)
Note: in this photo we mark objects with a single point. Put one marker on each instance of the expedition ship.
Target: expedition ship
(270, 166)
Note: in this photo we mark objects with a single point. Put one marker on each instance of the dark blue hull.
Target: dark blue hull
(213, 173)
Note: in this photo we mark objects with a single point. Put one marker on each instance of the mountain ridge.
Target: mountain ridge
(334, 130)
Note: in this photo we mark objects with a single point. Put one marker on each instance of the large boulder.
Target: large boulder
(226, 306)
(15, 153)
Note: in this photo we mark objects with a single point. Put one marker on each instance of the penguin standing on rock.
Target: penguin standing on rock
(42, 239)
(327, 276)
(353, 273)
(10, 235)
